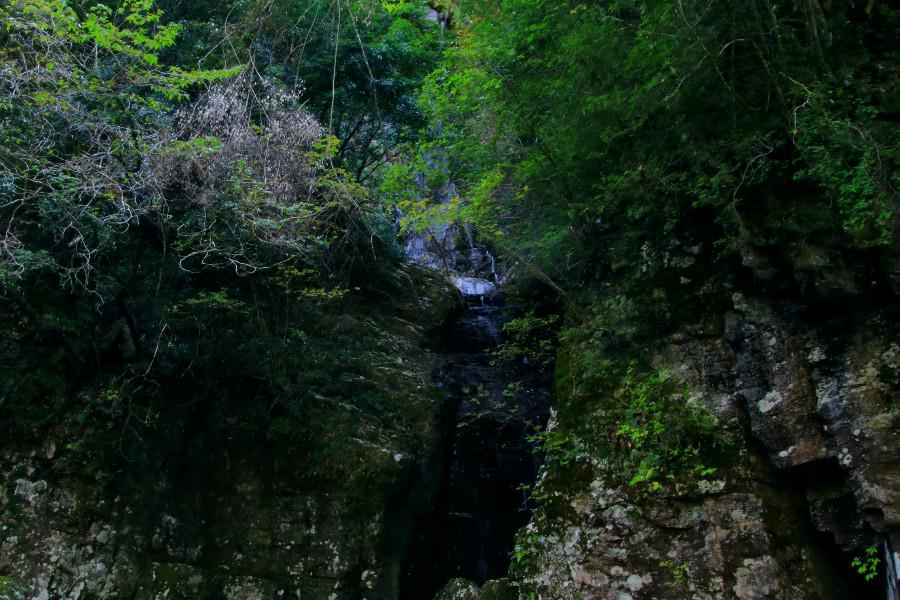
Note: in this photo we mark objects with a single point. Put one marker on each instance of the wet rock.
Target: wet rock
(473, 286)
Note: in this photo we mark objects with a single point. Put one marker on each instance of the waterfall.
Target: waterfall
(490, 457)
(473, 251)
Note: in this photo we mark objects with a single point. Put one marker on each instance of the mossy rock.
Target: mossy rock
(9, 590)
(458, 589)
(498, 589)
(249, 588)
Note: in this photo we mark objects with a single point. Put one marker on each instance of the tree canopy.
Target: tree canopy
(586, 131)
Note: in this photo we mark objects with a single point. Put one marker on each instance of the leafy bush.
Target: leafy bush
(530, 338)
(867, 564)
(662, 433)
(578, 133)
(156, 237)
(641, 421)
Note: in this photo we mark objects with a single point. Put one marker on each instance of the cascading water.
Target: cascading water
(489, 460)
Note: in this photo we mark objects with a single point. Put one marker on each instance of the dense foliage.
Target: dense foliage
(359, 63)
(181, 230)
(642, 157)
(579, 126)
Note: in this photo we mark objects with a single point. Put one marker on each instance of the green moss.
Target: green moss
(10, 590)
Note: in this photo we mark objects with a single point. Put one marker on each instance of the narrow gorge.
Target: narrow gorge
(449, 300)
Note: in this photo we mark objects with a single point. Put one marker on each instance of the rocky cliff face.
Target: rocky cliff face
(803, 384)
(817, 470)
(221, 512)
(806, 387)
